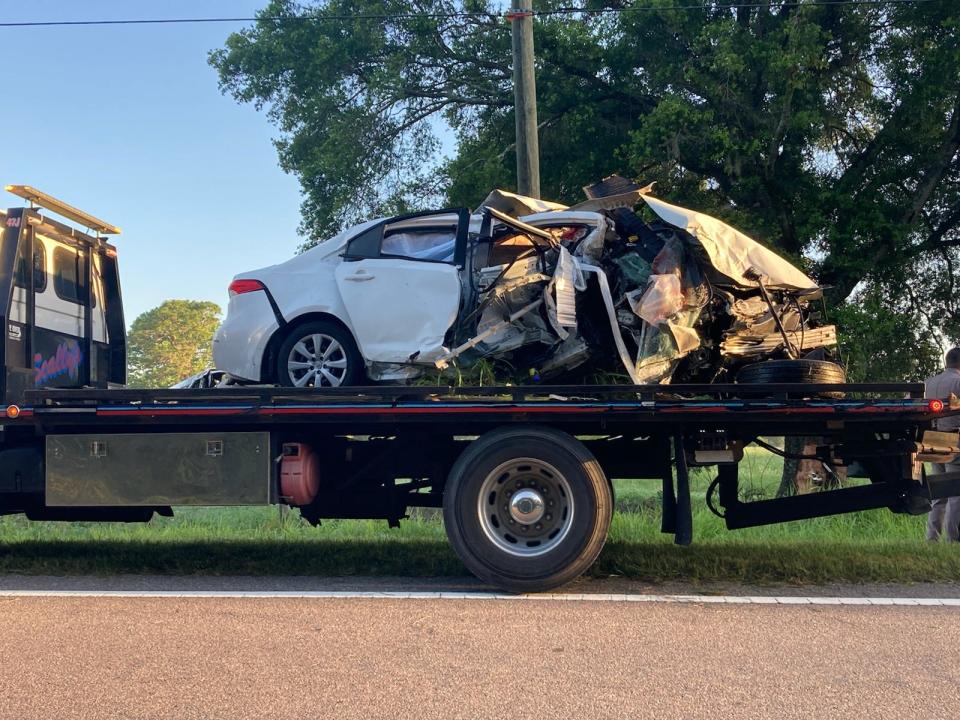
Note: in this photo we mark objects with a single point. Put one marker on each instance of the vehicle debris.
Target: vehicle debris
(685, 294)
(622, 285)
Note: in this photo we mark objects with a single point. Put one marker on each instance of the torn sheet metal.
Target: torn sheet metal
(532, 231)
(731, 252)
(744, 345)
(666, 301)
(622, 351)
(626, 200)
(518, 205)
(567, 279)
(444, 360)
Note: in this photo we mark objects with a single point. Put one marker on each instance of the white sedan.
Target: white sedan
(682, 297)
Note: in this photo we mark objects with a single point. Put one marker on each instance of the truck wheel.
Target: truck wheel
(319, 354)
(527, 509)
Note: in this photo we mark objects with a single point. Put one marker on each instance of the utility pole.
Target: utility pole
(525, 99)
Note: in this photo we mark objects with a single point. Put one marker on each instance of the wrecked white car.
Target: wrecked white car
(534, 288)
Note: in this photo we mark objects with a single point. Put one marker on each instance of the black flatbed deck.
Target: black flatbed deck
(707, 406)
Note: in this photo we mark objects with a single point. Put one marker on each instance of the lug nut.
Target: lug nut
(539, 526)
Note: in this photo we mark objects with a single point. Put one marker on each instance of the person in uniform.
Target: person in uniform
(944, 517)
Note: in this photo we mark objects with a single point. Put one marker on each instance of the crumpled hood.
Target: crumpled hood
(518, 205)
(731, 252)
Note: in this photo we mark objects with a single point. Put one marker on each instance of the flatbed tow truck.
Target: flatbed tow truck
(523, 473)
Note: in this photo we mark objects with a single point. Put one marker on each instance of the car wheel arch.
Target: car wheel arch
(269, 360)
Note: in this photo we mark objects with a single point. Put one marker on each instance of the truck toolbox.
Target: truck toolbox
(151, 469)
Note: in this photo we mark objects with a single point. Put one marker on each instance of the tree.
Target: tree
(171, 342)
(830, 131)
(881, 344)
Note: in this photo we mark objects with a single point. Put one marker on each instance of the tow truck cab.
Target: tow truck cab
(61, 303)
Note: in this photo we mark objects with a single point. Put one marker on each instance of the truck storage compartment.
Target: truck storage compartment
(156, 469)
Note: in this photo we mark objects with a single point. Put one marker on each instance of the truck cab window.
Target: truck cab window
(68, 269)
(39, 270)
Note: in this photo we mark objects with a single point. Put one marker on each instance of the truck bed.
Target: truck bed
(801, 408)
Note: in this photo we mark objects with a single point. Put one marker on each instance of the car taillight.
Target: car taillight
(238, 287)
(936, 405)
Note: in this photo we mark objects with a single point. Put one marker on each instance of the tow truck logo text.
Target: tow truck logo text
(66, 361)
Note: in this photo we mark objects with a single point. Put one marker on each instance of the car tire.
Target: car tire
(527, 509)
(318, 354)
(819, 372)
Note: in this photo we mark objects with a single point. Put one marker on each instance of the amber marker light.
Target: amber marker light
(935, 406)
(13, 412)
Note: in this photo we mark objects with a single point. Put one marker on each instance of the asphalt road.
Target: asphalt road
(122, 657)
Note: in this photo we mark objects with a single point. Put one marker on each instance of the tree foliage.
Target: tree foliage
(880, 344)
(171, 342)
(828, 131)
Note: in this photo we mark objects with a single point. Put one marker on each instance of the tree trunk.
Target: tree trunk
(803, 476)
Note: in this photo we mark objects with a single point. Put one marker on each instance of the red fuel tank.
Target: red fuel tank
(299, 474)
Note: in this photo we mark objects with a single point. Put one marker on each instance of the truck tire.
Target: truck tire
(792, 371)
(318, 354)
(527, 509)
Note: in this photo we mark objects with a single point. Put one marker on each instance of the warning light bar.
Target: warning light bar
(61, 208)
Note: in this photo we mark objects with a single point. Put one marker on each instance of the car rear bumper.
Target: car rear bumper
(241, 340)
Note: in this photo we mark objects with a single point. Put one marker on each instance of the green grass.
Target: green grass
(874, 546)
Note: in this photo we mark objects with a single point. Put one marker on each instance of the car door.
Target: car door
(400, 282)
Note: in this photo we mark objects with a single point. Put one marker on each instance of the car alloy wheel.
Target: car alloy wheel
(317, 360)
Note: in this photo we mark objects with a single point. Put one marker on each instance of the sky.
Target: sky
(127, 123)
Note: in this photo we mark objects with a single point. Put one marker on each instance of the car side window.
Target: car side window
(39, 270)
(68, 269)
(365, 245)
(435, 244)
(439, 236)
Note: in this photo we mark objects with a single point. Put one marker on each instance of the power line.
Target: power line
(464, 15)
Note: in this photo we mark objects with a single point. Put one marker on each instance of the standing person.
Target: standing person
(944, 517)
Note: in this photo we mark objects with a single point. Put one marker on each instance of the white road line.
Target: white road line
(554, 597)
